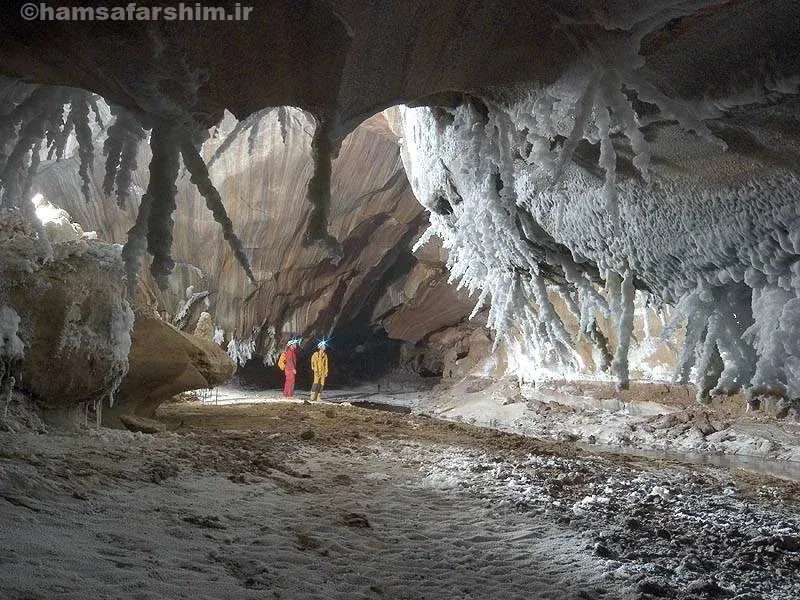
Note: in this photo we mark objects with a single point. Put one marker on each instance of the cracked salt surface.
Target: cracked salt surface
(755, 442)
(672, 532)
(249, 514)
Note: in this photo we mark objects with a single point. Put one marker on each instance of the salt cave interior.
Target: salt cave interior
(525, 191)
(577, 168)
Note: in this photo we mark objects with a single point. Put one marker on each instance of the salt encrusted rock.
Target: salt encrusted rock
(205, 326)
(75, 324)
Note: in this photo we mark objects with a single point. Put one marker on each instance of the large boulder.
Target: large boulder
(163, 362)
(75, 324)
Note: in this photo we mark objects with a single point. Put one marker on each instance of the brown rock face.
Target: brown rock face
(300, 290)
(164, 362)
(262, 171)
(424, 302)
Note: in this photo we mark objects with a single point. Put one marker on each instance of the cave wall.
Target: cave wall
(261, 167)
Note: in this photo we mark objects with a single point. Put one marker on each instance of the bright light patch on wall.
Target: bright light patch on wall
(57, 222)
(46, 212)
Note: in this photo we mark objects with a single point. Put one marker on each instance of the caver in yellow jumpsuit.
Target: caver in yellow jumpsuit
(319, 366)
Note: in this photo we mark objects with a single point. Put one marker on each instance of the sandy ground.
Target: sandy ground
(294, 500)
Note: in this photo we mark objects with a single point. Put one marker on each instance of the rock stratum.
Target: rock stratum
(262, 166)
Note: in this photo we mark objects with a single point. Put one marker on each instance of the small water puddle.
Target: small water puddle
(380, 406)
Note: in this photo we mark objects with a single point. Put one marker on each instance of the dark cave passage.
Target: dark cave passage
(356, 355)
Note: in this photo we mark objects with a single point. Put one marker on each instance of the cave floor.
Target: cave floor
(294, 500)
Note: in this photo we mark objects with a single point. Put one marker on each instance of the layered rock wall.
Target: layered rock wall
(262, 167)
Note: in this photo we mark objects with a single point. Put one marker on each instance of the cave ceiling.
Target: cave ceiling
(348, 59)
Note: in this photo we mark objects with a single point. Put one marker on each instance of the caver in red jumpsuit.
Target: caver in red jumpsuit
(289, 369)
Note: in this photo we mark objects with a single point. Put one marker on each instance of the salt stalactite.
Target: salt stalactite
(98, 119)
(27, 125)
(270, 349)
(162, 190)
(608, 161)
(252, 137)
(251, 121)
(240, 351)
(80, 104)
(319, 191)
(128, 166)
(624, 323)
(40, 117)
(31, 107)
(719, 353)
(583, 113)
(199, 176)
(180, 320)
(13, 93)
(533, 153)
(557, 335)
(121, 148)
(16, 169)
(283, 121)
(98, 412)
(33, 167)
(120, 341)
(590, 303)
(696, 308)
(600, 342)
(774, 327)
(8, 386)
(12, 350)
(57, 140)
(24, 128)
(648, 330)
(79, 115)
(255, 130)
(500, 312)
(134, 249)
(54, 131)
(734, 316)
(319, 186)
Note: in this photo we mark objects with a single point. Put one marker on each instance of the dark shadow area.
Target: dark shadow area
(255, 375)
(358, 354)
(381, 406)
(359, 351)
